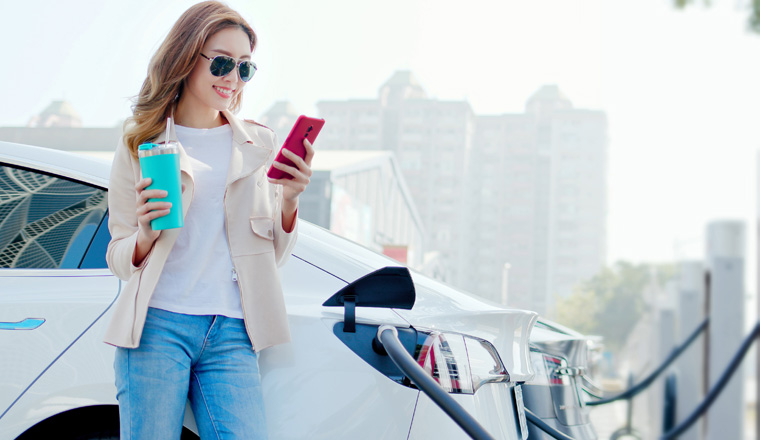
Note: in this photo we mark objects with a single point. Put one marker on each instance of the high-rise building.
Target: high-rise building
(431, 139)
(543, 191)
(280, 117)
(514, 204)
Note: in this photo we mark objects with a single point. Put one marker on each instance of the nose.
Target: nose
(233, 76)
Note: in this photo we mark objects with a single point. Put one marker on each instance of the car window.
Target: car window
(46, 221)
(95, 258)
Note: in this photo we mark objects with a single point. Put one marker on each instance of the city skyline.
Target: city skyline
(523, 191)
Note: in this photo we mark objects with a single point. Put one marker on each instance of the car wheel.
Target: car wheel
(88, 427)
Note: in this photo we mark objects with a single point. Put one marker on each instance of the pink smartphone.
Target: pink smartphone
(304, 128)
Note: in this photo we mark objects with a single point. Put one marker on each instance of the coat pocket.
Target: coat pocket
(258, 238)
(263, 227)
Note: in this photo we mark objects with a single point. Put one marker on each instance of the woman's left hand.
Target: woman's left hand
(292, 188)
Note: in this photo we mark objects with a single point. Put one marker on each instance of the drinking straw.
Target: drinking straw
(168, 124)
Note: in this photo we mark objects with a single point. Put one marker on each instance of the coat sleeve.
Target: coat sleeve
(283, 241)
(122, 214)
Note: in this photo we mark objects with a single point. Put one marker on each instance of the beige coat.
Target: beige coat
(258, 243)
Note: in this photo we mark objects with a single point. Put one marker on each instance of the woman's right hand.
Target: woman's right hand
(147, 211)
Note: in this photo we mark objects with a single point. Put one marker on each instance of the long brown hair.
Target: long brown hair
(172, 64)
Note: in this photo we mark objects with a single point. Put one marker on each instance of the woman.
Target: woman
(200, 302)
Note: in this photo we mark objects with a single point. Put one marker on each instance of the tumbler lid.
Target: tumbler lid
(152, 149)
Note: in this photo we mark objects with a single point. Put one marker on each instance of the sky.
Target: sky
(680, 88)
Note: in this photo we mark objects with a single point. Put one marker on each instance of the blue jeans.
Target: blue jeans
(208, 359)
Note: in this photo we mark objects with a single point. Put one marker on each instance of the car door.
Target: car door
(54, 282)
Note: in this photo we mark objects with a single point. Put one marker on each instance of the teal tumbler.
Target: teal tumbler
(160, 162)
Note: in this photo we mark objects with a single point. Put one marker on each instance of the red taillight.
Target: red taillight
(459, 363)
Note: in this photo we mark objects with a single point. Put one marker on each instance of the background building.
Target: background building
(431, 139)
(59, 127)
(542, 179)
(57, 114)
(361, 195)
(280, 117)
(513, 200)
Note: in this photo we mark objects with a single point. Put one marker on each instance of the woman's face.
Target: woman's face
(206, 91)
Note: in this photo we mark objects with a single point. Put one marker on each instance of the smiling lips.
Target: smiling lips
(223, 92)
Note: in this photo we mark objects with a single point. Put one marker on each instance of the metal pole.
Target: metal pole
(505, 284)
(725, 259)
(690, 366)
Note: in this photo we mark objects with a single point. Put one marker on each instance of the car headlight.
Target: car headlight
(459, 363)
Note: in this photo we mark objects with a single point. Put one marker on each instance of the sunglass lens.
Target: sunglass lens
(221, 66)
(246, 69)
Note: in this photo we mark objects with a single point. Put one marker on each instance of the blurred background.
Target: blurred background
(569, 157)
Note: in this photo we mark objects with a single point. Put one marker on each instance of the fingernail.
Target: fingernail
(165, 193)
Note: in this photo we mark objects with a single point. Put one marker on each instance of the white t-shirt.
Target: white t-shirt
(197, 278)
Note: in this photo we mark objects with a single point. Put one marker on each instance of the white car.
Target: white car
(563, 363)
(56, 374)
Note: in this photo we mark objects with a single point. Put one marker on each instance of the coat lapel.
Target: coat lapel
(249, 151)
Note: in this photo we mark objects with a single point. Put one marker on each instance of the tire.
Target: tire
(87, 423)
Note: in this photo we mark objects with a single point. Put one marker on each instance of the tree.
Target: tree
(753, 21)
(610, 303)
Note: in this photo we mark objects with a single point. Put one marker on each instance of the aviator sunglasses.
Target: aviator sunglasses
(222, 65)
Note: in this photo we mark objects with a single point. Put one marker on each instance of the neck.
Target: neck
(194, 117)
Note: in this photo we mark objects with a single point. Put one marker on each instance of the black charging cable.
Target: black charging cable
(644, 384)
(720, 384)
(543, 426)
